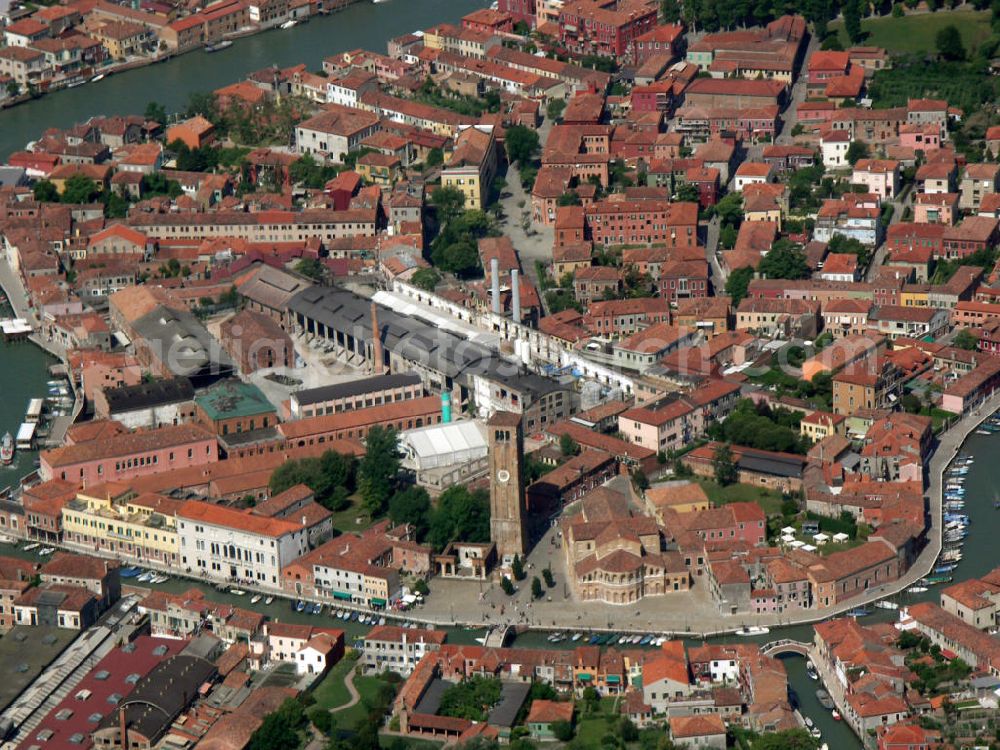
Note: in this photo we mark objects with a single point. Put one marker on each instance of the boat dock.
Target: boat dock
(15, 329)
(25, 440)
(34, 413)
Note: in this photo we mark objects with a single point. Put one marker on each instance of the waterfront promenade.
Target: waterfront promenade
(692, 614)
(479, 604)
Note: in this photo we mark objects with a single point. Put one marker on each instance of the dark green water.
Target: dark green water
(363, 25)
(23, 372)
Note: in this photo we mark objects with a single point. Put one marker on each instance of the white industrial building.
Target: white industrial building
(444, 454)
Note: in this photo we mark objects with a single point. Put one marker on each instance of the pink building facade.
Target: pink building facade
(131, 455)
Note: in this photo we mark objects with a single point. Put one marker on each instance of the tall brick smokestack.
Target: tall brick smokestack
(378, 365)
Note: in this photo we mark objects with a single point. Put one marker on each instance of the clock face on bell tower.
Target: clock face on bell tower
(506, 451)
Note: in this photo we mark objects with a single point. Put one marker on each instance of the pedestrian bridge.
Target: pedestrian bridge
(785, 646)
(499, 636)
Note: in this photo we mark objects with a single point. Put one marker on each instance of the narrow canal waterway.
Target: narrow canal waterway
(24, 370)
(363, 25)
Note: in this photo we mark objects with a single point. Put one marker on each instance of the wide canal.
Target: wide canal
(364, 25)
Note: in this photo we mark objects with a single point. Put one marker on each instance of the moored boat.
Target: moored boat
(824, 699)
(7, 449)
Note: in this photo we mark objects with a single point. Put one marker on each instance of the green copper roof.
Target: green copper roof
(233, 398)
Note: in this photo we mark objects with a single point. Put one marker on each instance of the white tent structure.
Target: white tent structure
(443, 445)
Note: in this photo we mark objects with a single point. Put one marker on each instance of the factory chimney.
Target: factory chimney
(378, 358)
(515, 291)
(495, 283)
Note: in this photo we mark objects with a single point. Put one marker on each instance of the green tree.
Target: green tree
(471, 699)
(308, 172)
(280, 730)
(569, 198)
(948, 42)
(521, 143)
(911, 403)
(156, 112)
(517, 568)
(449, 202)
(331, 477)
(555, 108)
(730, 210)
(852, 21)
(785, 260)
(738, 283)
(507, 586)
(856, 151)
(13, 88)
(567, 445)
(45, 192)
(687, 193)
(312, 268)
(426, 279)
(115, 206)
(728, 236)
(562, 730)
(157, 184)
(378, 470)
(966, 339)
(627, 730)
(79, 189)
(550, 580)
(434, 157)
(789, 739)
(462, 259)
(536, 588)
(670, 10)
(322, 720)
(413, 506)
(723, 465)
(205, 104)
(460, 514)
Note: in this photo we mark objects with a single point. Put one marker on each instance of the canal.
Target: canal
(24, 370)
(364, 25)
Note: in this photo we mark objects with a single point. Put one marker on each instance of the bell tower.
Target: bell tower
(506, 446)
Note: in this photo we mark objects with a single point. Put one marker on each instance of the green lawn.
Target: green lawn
(332, 691)
(830, 547)
(346, 520)
(916, 33)
(591, 728)
(769, 500)
(368, 687)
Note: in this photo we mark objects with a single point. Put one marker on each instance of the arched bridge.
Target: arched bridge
(785, 646)
(499, 636)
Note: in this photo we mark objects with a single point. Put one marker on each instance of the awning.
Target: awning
(378, 602)
(613, 679)
(585, 676)
(342, 595)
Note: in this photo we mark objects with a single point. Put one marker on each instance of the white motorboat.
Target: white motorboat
(7, 449)
(753, 630)
(255, 598)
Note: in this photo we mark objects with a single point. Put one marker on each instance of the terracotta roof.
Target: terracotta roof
(217, 515)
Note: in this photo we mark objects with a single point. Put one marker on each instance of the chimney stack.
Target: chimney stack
(495, 283)
(515, 291)
(378, 364)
